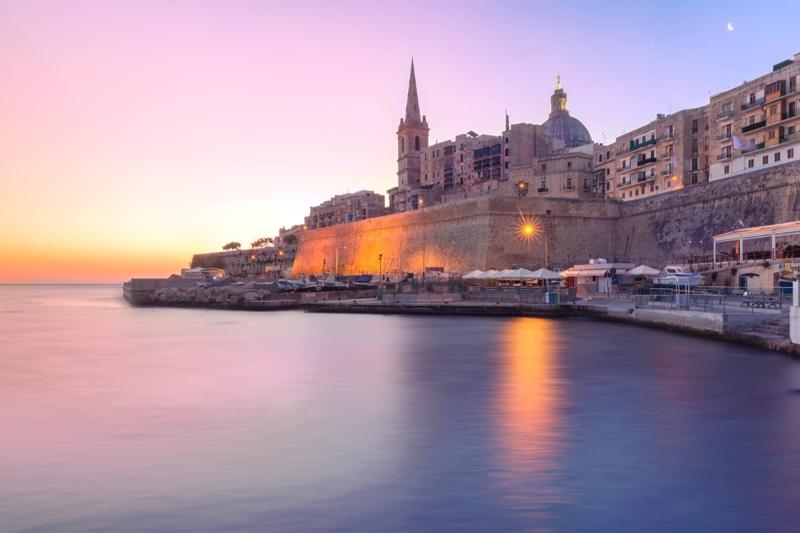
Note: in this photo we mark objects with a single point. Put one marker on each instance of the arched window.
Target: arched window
(416, 143)
(402, 145)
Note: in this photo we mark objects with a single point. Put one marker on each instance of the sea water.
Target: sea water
(121, 418)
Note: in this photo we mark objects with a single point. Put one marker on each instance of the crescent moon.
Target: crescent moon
(730, 26)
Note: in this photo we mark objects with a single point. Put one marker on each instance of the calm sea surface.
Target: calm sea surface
(114, 418)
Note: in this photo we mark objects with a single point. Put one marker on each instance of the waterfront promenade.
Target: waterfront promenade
(731, 318)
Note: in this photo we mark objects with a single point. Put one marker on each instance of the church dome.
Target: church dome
(562, 126)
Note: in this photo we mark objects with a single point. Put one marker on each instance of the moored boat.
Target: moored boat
(674, 276)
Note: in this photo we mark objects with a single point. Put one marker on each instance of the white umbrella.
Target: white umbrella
(643, 270)
(472, 275)
(543, 273)
(520, 273)
(488, 274)
(502, 274)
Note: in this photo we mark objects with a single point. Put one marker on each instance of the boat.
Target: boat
(674, 276)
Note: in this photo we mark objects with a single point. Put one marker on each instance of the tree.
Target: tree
(232, 246)
(262, 242)
(290, 239)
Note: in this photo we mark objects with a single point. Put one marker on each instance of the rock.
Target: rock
(250, 296)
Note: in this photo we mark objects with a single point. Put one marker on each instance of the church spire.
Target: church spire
(412, 103)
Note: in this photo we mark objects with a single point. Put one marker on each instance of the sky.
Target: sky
(134, 134)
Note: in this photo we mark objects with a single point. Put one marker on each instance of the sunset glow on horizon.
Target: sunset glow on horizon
(136, 134)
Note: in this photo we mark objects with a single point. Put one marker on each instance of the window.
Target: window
(695, 126)
(600, 158)
(751, 120)
(569, 184)
(727, 169)
(790, 130)
(694, 163)
(694, 145)
(771, 134)
(751, 163)
(777, 156)
(416, 143)
(694, 178)
(652, 187)
(608, 172)
(608, 155)
(790, 153)
(765, 160)
(608, 185)
(506, 164)
(773, 109)
(569, 164)
(544, 168)
(506, 140)
(637, 192)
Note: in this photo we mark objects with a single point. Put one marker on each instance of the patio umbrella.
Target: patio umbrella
(643, 270)
(543, 273)
(488, 274)
(520, 273)
(502, 274)
(472, 275)
(546, 275)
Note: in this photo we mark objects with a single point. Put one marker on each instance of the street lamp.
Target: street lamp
(380, 266)
(323, 267)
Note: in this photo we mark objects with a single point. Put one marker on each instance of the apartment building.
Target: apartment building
(757, 124)
(666, 154)
(344, 208)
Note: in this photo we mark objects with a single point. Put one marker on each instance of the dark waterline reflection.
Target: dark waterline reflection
(120, 418)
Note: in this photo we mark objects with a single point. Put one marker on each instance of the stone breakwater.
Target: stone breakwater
(250, 294)
(229, 296)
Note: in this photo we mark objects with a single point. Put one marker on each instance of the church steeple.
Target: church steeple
(412, 139)
(558, 102)
(412, 102)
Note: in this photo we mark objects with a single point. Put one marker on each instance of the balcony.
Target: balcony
(635, 146)
(623, 169)
(723, 157)
(648, 177)
(724, 137)
(624, 183)
(754, 126)
(568, 188)
(725, 114)
(790, 114)
(755, 103)
(666, 172)
(667, 136)
(666, 155)
(790, 137)
(542, 190)
(645, 161)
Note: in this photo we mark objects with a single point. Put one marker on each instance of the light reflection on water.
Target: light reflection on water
(139, 419)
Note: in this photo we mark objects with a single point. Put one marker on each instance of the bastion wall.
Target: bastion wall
(485, 233)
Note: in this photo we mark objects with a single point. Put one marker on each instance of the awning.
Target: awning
(583, 273)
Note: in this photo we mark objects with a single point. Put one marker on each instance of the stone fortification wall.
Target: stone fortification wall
(459, 236)
(672, 227)
(484, 232)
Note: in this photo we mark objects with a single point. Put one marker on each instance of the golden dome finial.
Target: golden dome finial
(558, 85)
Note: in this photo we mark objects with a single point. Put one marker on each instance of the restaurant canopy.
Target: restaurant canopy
(473, 274)
(758, 232)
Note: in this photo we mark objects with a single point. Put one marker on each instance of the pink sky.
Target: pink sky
(135, 134)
